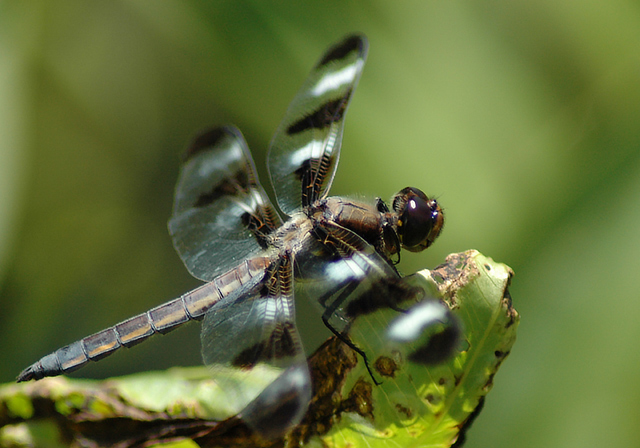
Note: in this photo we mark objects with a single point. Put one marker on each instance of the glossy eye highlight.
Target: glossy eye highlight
(420, 219)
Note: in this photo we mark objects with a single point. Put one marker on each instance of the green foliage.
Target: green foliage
(521, 117)
(415, 405)
(419, 405)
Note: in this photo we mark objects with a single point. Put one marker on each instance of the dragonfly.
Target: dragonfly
(255, 259)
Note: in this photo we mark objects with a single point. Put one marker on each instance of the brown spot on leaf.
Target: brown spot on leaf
(404, 410)
(433, 399)
(386, 366)
(360, 400)
(329, 367)
(507, 302)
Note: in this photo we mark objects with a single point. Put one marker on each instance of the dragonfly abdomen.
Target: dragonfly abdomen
(161, 319)
(132, 331)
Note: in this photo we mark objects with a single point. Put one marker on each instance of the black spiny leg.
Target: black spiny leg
(391, 241)
(328, 312)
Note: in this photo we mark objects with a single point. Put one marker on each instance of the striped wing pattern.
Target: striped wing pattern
(221, 214)
(303, 155)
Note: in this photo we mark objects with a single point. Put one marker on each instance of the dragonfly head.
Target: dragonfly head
(420, 219)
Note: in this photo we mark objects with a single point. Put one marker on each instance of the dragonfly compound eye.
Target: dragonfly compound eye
(420, 219)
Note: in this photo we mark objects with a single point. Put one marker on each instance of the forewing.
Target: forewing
(252, 346)
(304, 152)
(221, 214)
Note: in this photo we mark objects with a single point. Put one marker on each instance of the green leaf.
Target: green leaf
(417, 405)
(414, 405)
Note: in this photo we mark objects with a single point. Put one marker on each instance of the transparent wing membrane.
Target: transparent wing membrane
(254, 351)
(221, 213)
(305, 149)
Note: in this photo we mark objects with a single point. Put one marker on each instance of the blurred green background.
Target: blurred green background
(523, 118)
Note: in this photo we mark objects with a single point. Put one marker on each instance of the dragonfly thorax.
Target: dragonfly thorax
(371, 222)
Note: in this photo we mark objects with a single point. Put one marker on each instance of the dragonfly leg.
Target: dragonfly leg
(326, 315)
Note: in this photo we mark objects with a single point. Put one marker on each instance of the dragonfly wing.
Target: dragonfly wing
(304, 152)
(348, 277)
(253, 348)
(221, 213)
